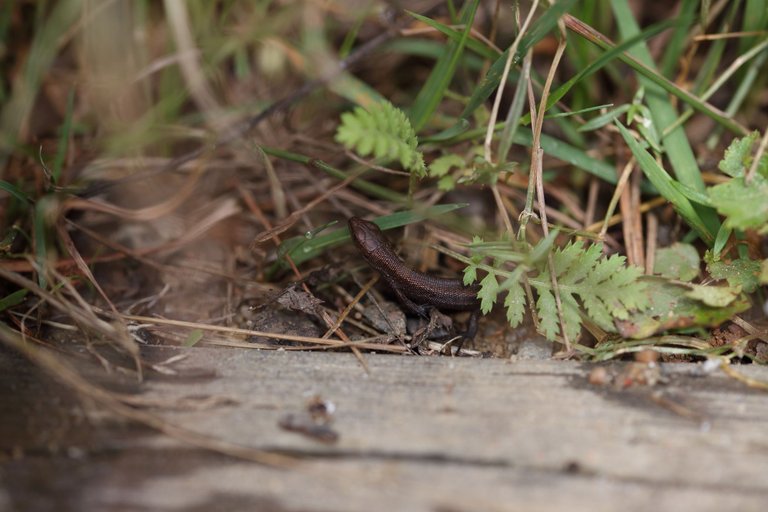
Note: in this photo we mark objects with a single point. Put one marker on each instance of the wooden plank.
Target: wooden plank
(440, 433)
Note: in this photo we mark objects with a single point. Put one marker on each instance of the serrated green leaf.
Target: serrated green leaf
(571, 315)
(598, 311)
(446, 183)
(743, 206)
(606, 287)
(547, 313)
(440, 166)
(515, 304)
(623, 276)
(678, 261)
(743, 272)
(670, 308)
(762, 166)
(564, 258)
(580, 264)
(470, 274)
(715, 296)
(736, 158)
(489, 289)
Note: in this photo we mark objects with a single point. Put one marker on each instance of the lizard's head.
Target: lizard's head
(367, 235)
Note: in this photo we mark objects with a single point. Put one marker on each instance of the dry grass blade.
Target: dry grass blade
(189, 62)
(294, 217)
(272, 335)
(537, 118)
(84, 316)
(728, 369)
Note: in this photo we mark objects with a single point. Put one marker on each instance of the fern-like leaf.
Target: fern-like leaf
(607, 288)
(589, 285)
(547, 309)
(489, 289)
(515, 304)
(383, 131)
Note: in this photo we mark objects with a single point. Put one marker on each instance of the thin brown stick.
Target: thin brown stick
(274, 235)
(758, 156)
(363, 344)
(603, 225)
(650, 251)
(293, 218)
(729, 35)
(349, 307)
(637, 220)
(589, 214)
(625, 206)
(536, 168)
(248, 332)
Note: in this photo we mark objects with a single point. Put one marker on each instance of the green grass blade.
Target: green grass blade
(512, 122)
(663, 114)
(432, 93)
(539, 29)
(456, 36)
(755, 20)
(673, 50)
(600, 62)
(45, 47)
(604, 119)
(302, 249)
(557, 148)
(571, 154)
(430, 49)
(723, 235)
(543, 25)
(653, 77)
(709, 67)
(193, 338)
(15, 192)
(755, 56)
(65, 130)
(665, 185)
(13, 299)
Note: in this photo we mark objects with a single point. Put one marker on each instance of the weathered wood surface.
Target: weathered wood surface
(418, 433)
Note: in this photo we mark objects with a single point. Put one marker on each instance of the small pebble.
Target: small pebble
(647, 356)
(599, 376)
